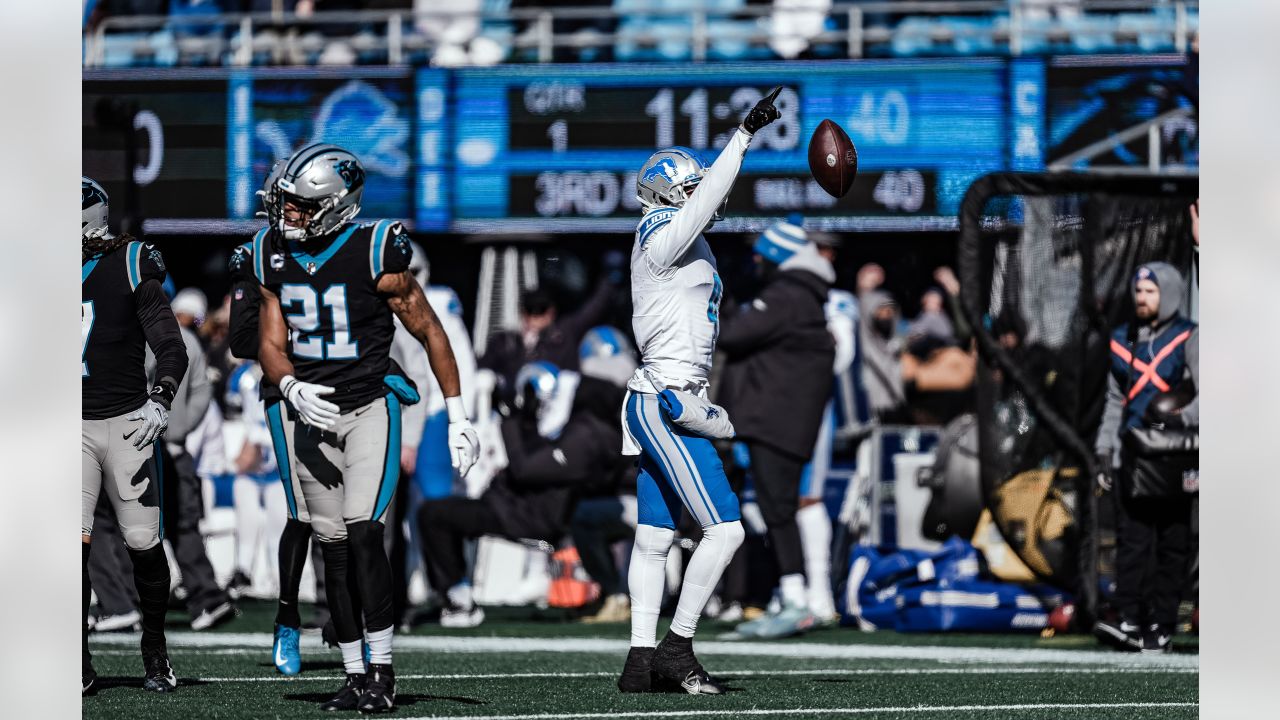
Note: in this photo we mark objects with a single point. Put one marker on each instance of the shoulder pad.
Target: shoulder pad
(653, 220)
(389, 249)
(143, 262)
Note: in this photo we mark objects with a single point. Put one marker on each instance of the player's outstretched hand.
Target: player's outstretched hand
(464, 446)
(762, 114)
(155, 420)
(308, 400)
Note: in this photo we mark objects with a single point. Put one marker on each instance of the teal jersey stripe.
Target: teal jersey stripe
(87, 268)
(378, 246)
(391, 464)
(134, 254)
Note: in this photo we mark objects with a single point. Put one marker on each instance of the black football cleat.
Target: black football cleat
(674, 661)
(637, 677)
(1157, 639)
(1123, 635)
(379, 690)
(160, 677)
(348, 696)
(87, 674)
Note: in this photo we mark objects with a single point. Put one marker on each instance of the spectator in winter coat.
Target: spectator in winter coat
(531, 498)
(776, 385)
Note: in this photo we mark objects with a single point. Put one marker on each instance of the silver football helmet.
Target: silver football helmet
(669, 177)
(93, 210)
(324, 182)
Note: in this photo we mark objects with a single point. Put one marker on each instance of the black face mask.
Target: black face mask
(883, 326)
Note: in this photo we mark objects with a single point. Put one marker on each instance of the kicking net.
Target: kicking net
(1045, 265)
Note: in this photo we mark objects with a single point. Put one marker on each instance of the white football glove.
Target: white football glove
(307, 399)
(155, 419)
(464, 443)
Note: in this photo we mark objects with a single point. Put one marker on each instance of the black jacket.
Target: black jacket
(780, 356)
(535, 495)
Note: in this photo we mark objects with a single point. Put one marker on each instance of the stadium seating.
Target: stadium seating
(642, 31)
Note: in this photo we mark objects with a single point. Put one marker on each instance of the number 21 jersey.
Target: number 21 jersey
(340, 326)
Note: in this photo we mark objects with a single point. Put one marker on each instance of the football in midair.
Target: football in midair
(833, 161)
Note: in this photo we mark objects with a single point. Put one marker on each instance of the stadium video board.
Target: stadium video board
(561, 145)
(541, 148)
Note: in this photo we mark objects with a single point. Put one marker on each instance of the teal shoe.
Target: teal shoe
(285, 652)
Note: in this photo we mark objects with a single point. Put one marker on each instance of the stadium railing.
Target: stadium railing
(674, 30)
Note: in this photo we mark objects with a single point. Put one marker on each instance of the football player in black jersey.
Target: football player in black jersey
(329, 288)
(122, 306)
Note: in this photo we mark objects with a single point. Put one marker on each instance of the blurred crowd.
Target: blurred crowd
(546, 397)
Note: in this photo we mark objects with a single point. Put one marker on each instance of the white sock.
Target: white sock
(379, 646)
(460, 596)
(793, 592)
(719, 543)
(352, 657)
(646, 579)
(815, 541)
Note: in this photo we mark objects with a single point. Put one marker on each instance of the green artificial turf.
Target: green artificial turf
(442, 674)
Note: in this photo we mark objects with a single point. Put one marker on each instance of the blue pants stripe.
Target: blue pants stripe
(391, 463)
(657, 453)
(156, 449)
(278, 444)
(677, 469)
(693, 478)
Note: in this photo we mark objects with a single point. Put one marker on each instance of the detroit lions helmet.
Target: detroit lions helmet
(93, 210)
(669, 177)
(539, 379)
(324, 181)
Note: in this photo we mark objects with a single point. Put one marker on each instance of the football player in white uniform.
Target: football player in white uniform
(675, 294)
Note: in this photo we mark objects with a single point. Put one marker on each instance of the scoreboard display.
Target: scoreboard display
(546, 148)
(563, 144)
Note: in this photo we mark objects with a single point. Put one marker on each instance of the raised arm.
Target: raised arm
(669, 242)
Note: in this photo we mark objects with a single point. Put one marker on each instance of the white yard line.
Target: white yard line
(815, 651)
(817, 711)
(992, 670)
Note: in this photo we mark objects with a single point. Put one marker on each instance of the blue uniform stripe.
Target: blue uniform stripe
(378, 246)
(134, 253)
(391, 464)
(660, 454)
(156, 449)
(258, 252)
(87, 268)
(651, 448)
(278, 443)
(653, 222)
(691, 466)
(304, 258)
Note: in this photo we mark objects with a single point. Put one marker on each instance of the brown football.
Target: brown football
(833, 161)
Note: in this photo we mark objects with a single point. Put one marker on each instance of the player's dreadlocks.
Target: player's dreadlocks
(102, 245)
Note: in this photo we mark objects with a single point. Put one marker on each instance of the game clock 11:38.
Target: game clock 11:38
(563, 115)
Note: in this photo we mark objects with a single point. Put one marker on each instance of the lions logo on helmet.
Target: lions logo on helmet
(540, 379)
(323, 182)
(669, 177)
(93, 210)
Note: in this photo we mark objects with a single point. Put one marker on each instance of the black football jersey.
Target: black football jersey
(113, 345)
(340, 326)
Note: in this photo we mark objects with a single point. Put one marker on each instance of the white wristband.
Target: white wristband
(457, 413)
(285, 383)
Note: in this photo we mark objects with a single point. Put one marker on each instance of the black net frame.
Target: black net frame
(1106, 225)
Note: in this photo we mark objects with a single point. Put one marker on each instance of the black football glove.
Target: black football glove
(762, 114)
(1104, 479)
